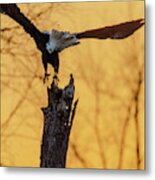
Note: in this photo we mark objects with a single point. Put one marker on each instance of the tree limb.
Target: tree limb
(58, 118)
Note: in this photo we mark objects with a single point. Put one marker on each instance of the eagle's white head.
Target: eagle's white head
(59, 40)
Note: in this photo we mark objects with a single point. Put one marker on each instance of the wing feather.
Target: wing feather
(119, 31)
(13, 11)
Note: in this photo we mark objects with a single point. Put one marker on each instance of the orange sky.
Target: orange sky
(106, 72)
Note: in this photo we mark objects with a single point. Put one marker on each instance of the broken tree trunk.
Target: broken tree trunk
(58, 119)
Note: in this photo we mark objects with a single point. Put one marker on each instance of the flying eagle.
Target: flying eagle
(51, 44)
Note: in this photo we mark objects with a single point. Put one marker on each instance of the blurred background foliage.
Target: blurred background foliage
(108, 129)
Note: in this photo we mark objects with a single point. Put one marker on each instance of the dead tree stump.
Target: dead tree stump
(58, 120)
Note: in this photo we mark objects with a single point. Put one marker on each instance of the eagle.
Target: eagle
(51, 44)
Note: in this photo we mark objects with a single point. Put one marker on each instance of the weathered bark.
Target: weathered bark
(58, 119)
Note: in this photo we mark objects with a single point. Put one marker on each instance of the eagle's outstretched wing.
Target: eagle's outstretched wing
(119, 31)
(13, 11)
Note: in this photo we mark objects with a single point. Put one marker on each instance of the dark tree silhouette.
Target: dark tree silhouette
(58, 119)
